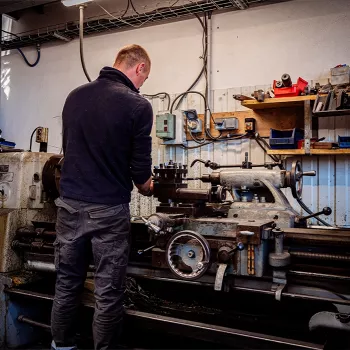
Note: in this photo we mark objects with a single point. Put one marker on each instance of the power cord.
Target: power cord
(81, 39)
(26, 60)
(204, 57)
(164, 94)
(31, 138)
(22, 53)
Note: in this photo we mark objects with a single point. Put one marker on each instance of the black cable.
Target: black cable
(133, 7)
(205, 108)
(81, 39)
(126, 10)
(238, 137)
(159, 94)
(22, 53)
(26, 60)
(194, 138)
(186, 93)
(264, 149)
(31, 138)
(204, 57)
(205, 26)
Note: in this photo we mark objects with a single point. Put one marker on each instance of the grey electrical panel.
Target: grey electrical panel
(165, 126)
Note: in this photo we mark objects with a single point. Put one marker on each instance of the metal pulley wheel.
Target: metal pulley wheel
(296, 179)
(51, 176)
(188, 255)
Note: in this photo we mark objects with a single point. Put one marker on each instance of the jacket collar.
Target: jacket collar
(117, 76)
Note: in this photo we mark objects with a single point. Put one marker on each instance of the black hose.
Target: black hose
(26, 60)
(186, 93)
(303, 205)
(258, 139)
(205, 51)
(160, 94)
(238, 137)
(81, 38)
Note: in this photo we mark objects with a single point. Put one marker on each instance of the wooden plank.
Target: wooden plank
(320, 152)
(286, 152)
(281, 119)
(278, 102)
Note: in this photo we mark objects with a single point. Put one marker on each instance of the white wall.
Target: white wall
(250, 48)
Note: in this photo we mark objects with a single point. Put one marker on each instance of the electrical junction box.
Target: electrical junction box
(194, 124)
(249, 125)
(165, 126)
(171, 128)
(226, 123)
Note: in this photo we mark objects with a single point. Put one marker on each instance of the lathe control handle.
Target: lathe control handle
(152, 226)
(309, 173)
(325, 211)
(225, 253)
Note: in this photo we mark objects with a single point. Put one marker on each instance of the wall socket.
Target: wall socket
(249, 125)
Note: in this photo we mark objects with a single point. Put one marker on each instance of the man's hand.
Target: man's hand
(147, 188)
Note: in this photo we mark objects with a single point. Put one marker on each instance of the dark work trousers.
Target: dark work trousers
(105, 228)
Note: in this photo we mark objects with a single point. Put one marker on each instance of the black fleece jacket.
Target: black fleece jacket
(106, 140)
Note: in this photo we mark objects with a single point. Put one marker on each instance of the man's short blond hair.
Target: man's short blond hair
(131, 55)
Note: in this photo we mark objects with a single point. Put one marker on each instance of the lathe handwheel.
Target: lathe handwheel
(188, 255)
(296, 179)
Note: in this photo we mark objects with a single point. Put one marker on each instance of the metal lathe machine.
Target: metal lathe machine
(232, 263)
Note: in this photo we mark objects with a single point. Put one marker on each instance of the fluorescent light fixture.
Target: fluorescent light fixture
(75, 2)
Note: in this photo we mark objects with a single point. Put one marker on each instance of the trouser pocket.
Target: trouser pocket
(67, 220)
(106, 217)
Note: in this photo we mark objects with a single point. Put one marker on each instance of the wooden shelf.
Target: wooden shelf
(280, 102)
(300, 152)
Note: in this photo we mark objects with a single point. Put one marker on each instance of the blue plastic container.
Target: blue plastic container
(285, 139)
(7, 144)
(344, 141)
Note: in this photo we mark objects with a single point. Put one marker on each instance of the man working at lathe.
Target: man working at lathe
(107, 148)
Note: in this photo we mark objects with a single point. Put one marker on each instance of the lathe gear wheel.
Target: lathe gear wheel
(188, 255)
(296, 180)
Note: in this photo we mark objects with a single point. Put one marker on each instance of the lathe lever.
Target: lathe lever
(141, 251)
(225, 253)
(149, 224)
(309, 173)
(325, 211)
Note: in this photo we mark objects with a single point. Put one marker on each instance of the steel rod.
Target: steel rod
(23, 319)
(320, 256)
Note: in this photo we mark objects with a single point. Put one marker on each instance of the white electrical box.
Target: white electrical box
(226, 123)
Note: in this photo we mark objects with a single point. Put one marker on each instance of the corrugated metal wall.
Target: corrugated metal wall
(329, 188)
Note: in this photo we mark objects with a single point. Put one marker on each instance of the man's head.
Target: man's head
(134, 62)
